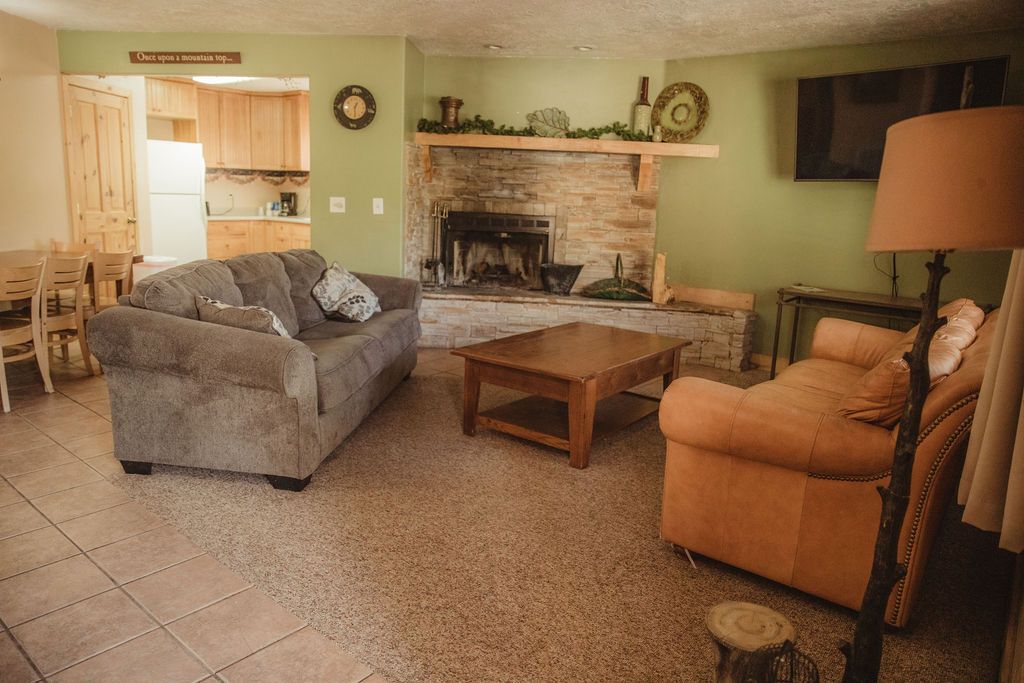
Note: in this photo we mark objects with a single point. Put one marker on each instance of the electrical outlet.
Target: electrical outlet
(378, 206)
(337, 205)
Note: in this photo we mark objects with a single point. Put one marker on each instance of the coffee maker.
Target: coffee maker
(289, 204)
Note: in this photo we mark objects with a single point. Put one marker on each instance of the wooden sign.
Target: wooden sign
(145, 57)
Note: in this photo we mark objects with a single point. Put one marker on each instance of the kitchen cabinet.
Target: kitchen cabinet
(301, 236)
(225, 239)
(281, 236)
(208, 106)
(170, 99)
(267, 137)
(224, 122)
(234, 126)
(258, 131)
(296, 131)
(290, 236)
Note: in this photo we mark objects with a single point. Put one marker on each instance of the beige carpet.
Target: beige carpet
(439, 557)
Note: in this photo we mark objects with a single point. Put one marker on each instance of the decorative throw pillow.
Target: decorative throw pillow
(961, 312)
(880, 394)
(341, 292)
(255, 318)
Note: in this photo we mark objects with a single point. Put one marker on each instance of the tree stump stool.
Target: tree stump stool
(742, 627)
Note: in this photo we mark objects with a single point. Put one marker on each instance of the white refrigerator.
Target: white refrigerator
(177, 207)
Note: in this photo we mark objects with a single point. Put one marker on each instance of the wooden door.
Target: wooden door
(234, 126)
(296, 132)
(208, 105)
(101, 169)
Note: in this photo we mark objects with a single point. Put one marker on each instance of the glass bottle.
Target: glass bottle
(642, 110)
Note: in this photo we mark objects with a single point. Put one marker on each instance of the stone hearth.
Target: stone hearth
(722, 337)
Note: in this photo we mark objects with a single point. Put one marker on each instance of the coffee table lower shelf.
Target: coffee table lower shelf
(546, 420)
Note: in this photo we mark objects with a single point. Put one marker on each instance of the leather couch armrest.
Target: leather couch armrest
(393, 292)
(852, 342)
(138, 338)
(725, 419)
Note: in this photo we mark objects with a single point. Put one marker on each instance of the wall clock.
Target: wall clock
(354, 107)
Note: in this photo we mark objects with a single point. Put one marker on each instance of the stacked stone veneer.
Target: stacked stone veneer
(721, 337)
(598, 211)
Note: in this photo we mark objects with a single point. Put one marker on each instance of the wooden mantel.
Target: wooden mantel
(645, 150)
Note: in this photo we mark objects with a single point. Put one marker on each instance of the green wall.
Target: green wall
(741, 223)
(738, 222)
(358, 165)
(593, 92)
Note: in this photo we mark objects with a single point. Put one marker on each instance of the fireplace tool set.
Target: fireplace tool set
(434, 266)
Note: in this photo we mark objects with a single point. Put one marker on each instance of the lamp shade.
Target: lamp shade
(953, 180)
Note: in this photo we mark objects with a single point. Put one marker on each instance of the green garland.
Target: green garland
(482, 126)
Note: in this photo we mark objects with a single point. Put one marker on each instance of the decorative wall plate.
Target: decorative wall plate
(354, 107)
(681, 110)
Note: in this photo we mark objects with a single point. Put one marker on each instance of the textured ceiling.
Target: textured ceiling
(647, 28)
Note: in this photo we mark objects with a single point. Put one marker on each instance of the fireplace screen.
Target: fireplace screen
(496, 250)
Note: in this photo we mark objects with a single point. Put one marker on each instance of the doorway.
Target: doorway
(188, 167)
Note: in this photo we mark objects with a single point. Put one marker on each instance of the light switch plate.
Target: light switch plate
(378, 206)
(337, 205)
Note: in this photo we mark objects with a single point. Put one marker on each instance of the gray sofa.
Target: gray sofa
(197, 394)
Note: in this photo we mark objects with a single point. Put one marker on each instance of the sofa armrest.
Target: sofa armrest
(852, 342)
(393, 292)
(725, 419)
(141, 339)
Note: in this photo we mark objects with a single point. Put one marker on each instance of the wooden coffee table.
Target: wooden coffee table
(577, 373)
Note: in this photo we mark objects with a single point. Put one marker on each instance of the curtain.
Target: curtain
(992, 485)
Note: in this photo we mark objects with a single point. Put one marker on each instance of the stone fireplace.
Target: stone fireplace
(480, 249)
(504, 212)
(591, 200)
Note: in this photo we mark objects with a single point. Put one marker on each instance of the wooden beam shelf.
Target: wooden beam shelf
(645, 150)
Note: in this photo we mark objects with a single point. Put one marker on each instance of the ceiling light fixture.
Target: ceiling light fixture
(583, 48)
(494, 47)
(222, 80)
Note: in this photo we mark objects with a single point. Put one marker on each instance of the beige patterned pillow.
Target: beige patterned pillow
(879, 396)
(255, 318)
(340, 292)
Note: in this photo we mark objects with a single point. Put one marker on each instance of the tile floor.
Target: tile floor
(94, 587)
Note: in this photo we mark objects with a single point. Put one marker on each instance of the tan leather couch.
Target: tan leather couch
(771, 480)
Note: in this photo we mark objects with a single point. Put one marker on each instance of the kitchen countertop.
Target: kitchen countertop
(279, 219)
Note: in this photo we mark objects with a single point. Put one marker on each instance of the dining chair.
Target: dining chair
(58, 247)
(23, 335)
(61, 323)
(109, 267)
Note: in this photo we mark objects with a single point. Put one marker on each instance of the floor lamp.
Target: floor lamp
(953, 180)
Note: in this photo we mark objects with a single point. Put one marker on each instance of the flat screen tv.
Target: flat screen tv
(842, 119)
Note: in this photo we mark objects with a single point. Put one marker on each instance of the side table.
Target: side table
(837, 301)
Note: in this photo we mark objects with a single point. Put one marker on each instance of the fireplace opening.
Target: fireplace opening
(496, 250)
